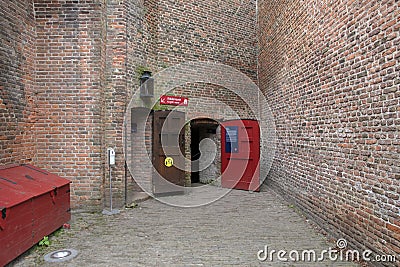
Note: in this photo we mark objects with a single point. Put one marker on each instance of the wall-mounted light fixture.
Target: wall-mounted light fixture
(146, 85)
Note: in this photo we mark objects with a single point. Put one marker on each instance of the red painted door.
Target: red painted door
(240, 154)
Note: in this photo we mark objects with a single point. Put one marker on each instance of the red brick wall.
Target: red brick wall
(221, 31)
(70, 67)
(330, 71)
(69, 94)
(161, 34)
(17, 92)
(115, 89)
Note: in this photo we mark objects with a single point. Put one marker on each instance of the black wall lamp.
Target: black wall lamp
(146, 85)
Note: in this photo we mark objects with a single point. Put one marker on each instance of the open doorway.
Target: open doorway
(205, 151)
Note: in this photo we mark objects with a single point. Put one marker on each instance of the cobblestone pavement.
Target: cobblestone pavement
(228, 232)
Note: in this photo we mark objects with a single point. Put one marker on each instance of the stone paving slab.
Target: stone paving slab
(228, 232)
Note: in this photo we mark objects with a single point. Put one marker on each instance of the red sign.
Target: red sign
(173, 100)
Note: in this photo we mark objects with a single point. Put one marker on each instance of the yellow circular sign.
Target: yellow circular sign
(169, 161)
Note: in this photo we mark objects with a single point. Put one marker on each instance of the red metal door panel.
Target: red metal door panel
(240, 154)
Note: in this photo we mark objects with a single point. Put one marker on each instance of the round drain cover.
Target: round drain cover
(60, 255)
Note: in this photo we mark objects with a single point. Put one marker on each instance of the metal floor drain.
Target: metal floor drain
(61, 255)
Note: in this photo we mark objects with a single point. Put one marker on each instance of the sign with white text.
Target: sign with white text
(174, 100)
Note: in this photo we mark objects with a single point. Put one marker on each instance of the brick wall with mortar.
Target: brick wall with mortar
(17, 92)
(134, 25)
(115, 91)
(172, 32)
(221, 31)
(81, 64)
(70, 97)
(330, 72)
(73, 53)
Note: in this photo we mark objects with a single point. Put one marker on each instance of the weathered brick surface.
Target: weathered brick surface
(69, 96)
(17, 94)
(329, 70)
(222, 31)
(161, 34)
(70, 68)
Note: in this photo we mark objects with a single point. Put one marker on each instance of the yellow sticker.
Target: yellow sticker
(169, 161)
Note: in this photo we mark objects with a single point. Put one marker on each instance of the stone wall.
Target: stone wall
(210, 162)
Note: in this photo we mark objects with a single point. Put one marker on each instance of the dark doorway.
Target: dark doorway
(168, 149)
(195, 152)
(199, 130)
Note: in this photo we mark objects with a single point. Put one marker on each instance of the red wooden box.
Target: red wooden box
(33, 203)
